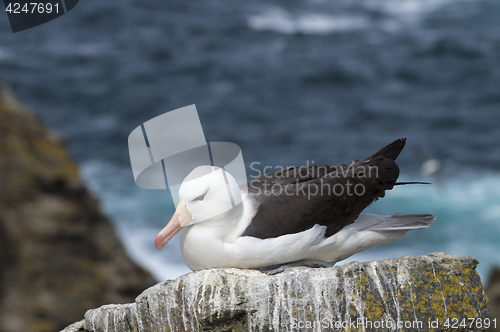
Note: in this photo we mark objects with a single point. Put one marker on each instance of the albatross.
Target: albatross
(299, 216)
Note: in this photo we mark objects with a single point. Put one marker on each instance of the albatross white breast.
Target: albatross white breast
(297, 216)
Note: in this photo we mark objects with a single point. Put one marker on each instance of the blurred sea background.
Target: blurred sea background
(291, 82)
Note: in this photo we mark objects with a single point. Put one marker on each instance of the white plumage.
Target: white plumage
(214, 213)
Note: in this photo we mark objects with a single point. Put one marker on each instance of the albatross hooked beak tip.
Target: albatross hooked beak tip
(180, 219)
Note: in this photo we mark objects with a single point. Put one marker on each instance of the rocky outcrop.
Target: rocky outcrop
(389, 295)
(493, 293)
(59, 255)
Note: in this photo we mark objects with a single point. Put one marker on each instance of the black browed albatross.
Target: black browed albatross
(295, 216)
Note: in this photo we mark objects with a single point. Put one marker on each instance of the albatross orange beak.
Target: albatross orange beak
(180, 219)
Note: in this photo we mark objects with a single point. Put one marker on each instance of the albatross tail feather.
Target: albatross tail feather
(392, 150)
(403, 222)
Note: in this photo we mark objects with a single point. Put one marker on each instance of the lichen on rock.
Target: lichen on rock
(359, 296)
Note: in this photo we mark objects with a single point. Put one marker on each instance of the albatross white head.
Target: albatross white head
(207, 192)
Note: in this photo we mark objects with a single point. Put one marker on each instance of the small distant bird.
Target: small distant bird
(431, 167)
(299, 216)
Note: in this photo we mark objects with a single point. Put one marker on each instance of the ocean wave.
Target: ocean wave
(412, 9)
(392, 16)
(139, 243)
(5, 54)
(467, 218)
(279, 20)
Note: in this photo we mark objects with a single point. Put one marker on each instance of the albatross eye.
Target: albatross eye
(201, 197)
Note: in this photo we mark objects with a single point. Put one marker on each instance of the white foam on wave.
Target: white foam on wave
(467, 216)
(279, 20)
(403, 14)
(397, 14)
(139, 243)
(408, 8)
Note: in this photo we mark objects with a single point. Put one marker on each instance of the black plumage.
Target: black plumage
(295, 199)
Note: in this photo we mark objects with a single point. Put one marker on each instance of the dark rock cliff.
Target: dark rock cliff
(59, 256)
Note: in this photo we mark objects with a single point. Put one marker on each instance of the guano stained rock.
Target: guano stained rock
(376, 296)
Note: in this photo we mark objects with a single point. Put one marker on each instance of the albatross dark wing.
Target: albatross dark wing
(295, 199)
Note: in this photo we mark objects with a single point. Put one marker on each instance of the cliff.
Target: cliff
(388, 295)
(59, 256)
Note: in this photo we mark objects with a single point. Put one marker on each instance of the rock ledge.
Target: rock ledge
(429, 289)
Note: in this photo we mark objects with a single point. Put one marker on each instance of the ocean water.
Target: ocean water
(290, 82)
